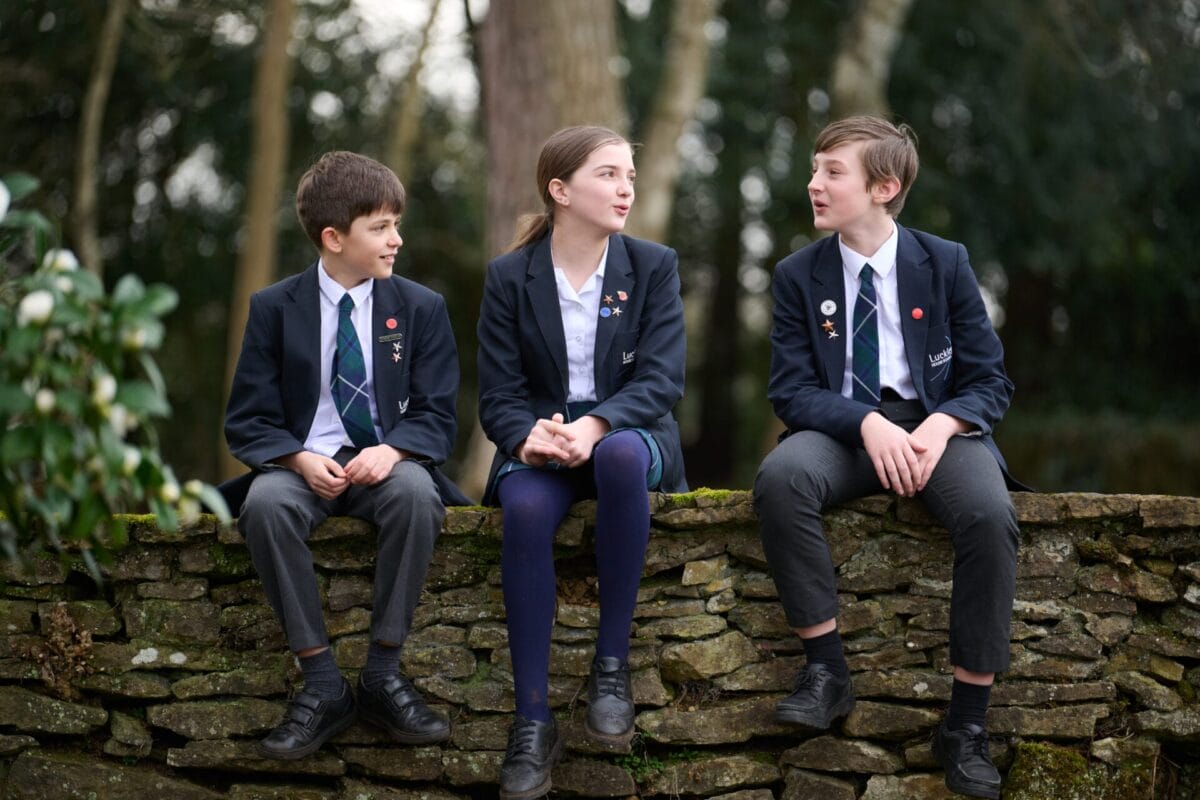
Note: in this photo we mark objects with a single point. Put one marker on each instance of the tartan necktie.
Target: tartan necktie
(865, 357)
(349, 382)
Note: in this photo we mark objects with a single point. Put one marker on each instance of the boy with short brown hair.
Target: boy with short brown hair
(888, 376)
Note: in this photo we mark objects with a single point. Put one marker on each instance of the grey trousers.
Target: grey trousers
(281, 512)
(966, 493)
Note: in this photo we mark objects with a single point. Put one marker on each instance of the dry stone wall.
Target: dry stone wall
(159, 684)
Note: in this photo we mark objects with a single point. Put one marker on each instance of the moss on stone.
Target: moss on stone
(1043, 770)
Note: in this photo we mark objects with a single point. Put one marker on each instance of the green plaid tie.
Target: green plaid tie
(864, 362)
(349, 383)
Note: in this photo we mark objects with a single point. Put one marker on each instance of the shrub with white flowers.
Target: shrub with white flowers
(79, 396)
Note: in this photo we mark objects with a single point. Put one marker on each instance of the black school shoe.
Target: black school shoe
(963, 754)
(533, 749)
(397, 707)
(819, 698)
(610, 702)
(310, 721)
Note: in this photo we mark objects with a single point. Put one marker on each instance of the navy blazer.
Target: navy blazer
(278, 379)
(954, 354)
(639, 358)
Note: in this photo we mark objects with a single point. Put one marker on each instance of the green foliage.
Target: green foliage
(79, 397)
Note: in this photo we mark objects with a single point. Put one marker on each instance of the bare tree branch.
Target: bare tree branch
(91, 129)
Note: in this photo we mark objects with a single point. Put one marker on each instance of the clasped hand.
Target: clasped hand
(328, 479)
(904, 461)
(569, 444)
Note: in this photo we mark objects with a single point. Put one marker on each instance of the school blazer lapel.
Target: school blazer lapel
(389, 338)
(618, 285)
(542, 292)
(914, 283)
(829, 286)
(302, 349)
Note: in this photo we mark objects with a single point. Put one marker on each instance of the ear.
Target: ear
(558, 192)
(331, 240)
(883, 192)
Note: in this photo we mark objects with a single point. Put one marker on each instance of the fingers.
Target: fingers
(554, 427)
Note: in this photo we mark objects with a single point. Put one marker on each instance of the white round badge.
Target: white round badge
(828, 307)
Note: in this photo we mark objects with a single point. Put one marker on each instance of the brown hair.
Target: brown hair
(890, 151)
(341, 187)
(562, 154)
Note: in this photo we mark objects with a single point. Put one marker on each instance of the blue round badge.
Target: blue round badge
(606, 312)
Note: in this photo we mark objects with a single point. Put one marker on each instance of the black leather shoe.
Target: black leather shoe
(963, 754)
(533, 749)
(308, 724)
(610, 702)
(397, 707)
(820, 697)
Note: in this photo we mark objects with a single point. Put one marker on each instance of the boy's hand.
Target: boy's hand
(934, 433)
(587, 430)
(372, 464)
(894, 452)
(547, 441)
(322, 474)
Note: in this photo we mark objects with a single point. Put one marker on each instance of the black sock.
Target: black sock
(827, 649)
(321, 675)
(968, 705)
(382, 661)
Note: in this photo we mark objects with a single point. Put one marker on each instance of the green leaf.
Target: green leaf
(129, 289)
(160, 299)
(215, 503)
(18, 444)
(25, 219)
(20, 184)
(153, 373)
(142, 398)
(14, 401)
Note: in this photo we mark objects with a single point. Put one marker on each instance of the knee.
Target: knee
(781, 474)
(411, 484)
(623, 454)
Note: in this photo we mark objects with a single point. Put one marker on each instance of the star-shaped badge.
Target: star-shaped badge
(608, 299)
(396, 357)
(827, 326)
(617, 311)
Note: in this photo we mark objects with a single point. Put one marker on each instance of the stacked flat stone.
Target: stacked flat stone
(160, 683)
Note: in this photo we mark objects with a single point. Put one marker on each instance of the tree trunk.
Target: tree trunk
(685, 74)
(91, 128)
(543, 66)
(863, 65)
(407, 123)
(268, 164)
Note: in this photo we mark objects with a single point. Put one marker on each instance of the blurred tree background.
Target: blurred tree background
(1060, 141)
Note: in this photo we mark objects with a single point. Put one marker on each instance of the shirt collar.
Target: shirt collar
(882, 260)
(333, 290)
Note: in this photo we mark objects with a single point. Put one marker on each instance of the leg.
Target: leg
(276, 520)
(407, 513)
(620, 463)
(622, 531)
(966, 493)
(534, 504)
(805, 473)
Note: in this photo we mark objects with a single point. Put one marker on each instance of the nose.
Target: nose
(814, 182)
(626, 187)
(397, 238)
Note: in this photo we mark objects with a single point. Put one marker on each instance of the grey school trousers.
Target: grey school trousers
(281, 512)
(966, 493)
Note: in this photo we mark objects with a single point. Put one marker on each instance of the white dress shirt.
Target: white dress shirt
(327, 435)
(893, 366)
(580, 315)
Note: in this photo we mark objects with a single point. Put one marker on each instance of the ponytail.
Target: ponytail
(530, 228)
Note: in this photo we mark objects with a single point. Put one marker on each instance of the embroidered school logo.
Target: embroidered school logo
(628, 357)
(403, 404)
(941, 360)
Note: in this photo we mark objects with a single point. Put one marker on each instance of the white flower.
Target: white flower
(131, 460)
(59, 260)
(169, 493)
(193, 487)
(104, 388)
(121, 420)
(5, 197)
(44, 400)
(35, 307)
(134, 338)
(64, 284)
(189, 511)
